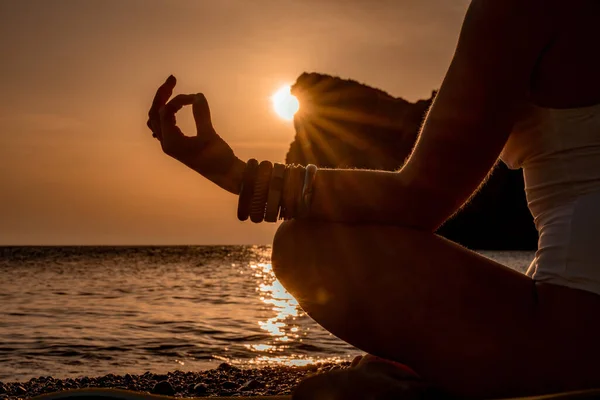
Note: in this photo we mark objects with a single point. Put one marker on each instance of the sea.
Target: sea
(91, 311)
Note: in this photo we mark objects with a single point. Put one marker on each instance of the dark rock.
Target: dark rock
(2, 388)
(128, 378)
(107, 378)
(343, 123)
(199, 389)
(227, 367)
(161, 377)
(164, 388)
(20, 390)
(251, 385)
(229, 385)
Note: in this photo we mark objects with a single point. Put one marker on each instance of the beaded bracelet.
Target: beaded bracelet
(275, 189)
(269, 191)
(285, 195)
(261, 191)
(292, 190)
(247, 189)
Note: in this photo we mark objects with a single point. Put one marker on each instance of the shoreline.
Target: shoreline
(225, 380)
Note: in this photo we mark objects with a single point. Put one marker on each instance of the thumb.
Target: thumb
(202, 115)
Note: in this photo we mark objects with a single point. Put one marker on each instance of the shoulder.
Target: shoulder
(504, 20)
(500, 43)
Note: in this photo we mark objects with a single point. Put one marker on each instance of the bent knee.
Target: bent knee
(302, 262)
(296, 239)
(301, 249)
(287, 245)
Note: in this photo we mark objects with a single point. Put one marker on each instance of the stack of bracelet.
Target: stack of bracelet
(275, 191)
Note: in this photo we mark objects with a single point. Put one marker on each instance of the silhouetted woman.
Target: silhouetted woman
(358, 250)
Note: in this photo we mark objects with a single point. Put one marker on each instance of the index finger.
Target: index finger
(164, 92)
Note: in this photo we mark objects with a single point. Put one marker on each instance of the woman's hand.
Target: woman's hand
(206, 153)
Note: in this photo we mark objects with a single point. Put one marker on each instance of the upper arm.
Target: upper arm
(474, 110)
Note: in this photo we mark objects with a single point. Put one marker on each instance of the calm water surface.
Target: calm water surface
(74, 311)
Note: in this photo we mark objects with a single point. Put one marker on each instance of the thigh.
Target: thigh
(451, 314)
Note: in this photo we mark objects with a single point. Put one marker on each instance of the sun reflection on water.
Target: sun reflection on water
(285, 327)
(283, 304)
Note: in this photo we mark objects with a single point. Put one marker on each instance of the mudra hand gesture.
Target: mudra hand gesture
(206, 153)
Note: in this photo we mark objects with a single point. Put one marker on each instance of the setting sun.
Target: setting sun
(284, 103)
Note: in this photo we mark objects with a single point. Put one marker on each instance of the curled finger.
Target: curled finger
(167, 113)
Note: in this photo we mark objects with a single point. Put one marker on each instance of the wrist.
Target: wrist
(236, 176)
(270, 191)
(227, 174)
(231, 179)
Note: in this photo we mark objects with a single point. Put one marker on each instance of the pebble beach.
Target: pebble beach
(226, 380)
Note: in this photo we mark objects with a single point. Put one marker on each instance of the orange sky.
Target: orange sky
(77, 163)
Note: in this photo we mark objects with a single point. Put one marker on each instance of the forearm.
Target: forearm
(378, 197)
(449, 162)
(227, 175)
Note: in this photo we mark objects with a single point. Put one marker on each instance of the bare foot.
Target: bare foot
(368, 378)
